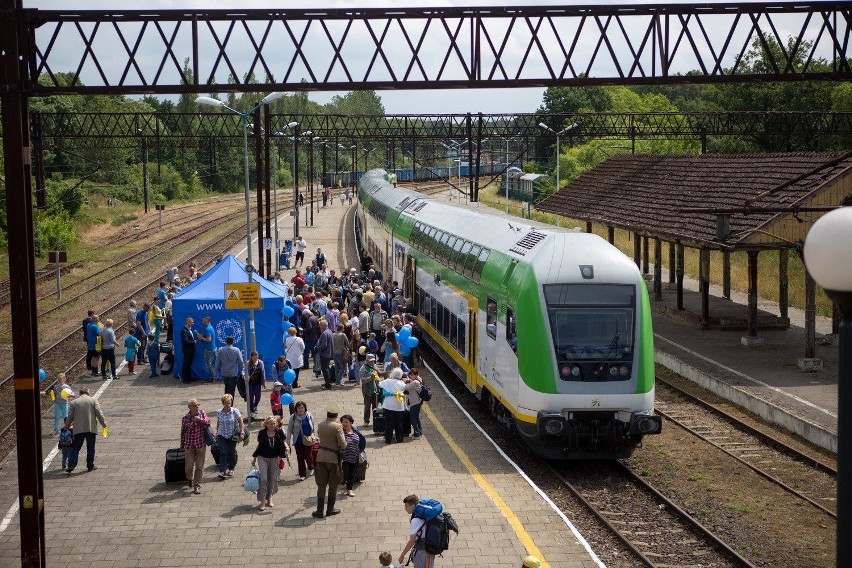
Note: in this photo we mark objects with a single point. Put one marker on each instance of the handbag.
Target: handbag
(209, 438)
(252, 482)
(362, 457)
(308, 438)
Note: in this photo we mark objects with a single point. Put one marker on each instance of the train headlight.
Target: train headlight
(624, 371)
(643, 424)
(575, 370)
(613, 371)
(554, 426)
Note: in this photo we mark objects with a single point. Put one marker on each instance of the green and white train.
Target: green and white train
(550, 328)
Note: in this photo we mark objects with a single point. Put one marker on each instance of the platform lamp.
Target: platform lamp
(306, 137)
(210, 101)
(279, 134)
(558, 134)
(826, 243)
(354, 164)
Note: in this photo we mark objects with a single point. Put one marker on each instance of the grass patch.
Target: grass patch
(645, 471)
(697, 477)
(122, 219)
(742, 507)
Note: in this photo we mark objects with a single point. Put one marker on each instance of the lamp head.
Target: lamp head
(272, 97)
(546, 127)
(572, 126)
(826, 244)
(352, 147)
(209, 101)
(293, 125)
(307, 133)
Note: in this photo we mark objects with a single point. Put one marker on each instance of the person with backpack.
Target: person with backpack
(428, 531)
(256, 376)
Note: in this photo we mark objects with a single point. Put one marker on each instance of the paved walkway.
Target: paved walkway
(124, 515)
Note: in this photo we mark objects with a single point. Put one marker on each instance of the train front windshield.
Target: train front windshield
(592, 329)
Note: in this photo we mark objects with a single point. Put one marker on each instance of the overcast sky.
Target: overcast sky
(516, 100)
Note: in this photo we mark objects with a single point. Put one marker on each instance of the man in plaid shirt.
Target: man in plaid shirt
(192, 440)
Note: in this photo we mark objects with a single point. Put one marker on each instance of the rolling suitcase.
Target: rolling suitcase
(175, 468)
(166, 347)
(378, 421)
(168, 364)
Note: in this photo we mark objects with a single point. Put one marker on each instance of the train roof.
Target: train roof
(509, 235)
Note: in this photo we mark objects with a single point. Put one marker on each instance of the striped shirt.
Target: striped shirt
(227, 422)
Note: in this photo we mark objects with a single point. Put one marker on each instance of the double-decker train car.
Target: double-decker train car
(550, 328)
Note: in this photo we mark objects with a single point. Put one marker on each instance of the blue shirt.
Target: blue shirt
(92, 334)
(229, 361)
(141, 318)
(210, 333)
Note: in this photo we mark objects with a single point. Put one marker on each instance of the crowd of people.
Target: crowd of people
(344, 329)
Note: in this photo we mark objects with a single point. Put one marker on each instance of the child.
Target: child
(275, 400)
(372, 345)
(153, 352)
(59, 394)
(386, 560)
(66, 440)
(132, 345)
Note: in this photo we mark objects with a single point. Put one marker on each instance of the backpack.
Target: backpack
(435, 534)
(425, 392)
(66, 438)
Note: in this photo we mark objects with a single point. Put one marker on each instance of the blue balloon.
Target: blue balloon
(287, 311)
(412, 342)
(289, 376)
(398, 339)
(404, 334)
(286, 398)
(405, 350)
(285, 325)
(41, 375)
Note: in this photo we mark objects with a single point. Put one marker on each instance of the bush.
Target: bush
(53, 231)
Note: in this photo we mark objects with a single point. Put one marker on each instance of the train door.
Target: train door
(472, 347)
(409, 277)
(487, 362)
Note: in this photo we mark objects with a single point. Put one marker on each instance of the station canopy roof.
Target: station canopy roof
(683, 198)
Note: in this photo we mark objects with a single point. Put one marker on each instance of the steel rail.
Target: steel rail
(239, 230)
(749, 429)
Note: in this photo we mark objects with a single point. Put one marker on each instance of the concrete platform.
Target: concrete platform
(124, 515)
(764, 378)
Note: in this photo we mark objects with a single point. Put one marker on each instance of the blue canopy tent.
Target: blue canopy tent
(206, 297)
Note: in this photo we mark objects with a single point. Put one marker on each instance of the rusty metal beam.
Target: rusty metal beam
(287, 49)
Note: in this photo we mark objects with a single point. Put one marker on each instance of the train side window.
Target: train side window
(454, 331)
(458, 257)
(491, 318)
(462, 333)
(445, 322)
(511, 331)
(470, 261)
(463, 255)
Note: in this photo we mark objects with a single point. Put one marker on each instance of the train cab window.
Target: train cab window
(454, 331)
(511, 331)
(491, 318)
(462, 335)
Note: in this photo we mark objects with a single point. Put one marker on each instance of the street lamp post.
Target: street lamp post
(828, 241)
(210, 101)
(558, 134)
(449, 163)
(275, 184)
(354, 164)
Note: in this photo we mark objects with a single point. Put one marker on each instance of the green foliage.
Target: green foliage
(53, 231)
(356, 102)
(63, 195)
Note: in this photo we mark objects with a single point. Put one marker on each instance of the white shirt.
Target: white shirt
(393, 386)
(301, 245)
(415, 525)
(294, 348)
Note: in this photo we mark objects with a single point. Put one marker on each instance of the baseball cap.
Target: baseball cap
(531, 562)
(277, 384)
(371, 357)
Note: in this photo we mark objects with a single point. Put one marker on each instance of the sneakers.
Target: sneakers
(152, 376)
(310, 473)
(132, 373)
(229, 473)
(196, 490)
(223, 475)
(301, 478)
(93, 468)
(350, 493)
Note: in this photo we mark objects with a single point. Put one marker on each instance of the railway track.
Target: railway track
(805, 476)
(64, 353)
(655, 529)
(55, 356)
